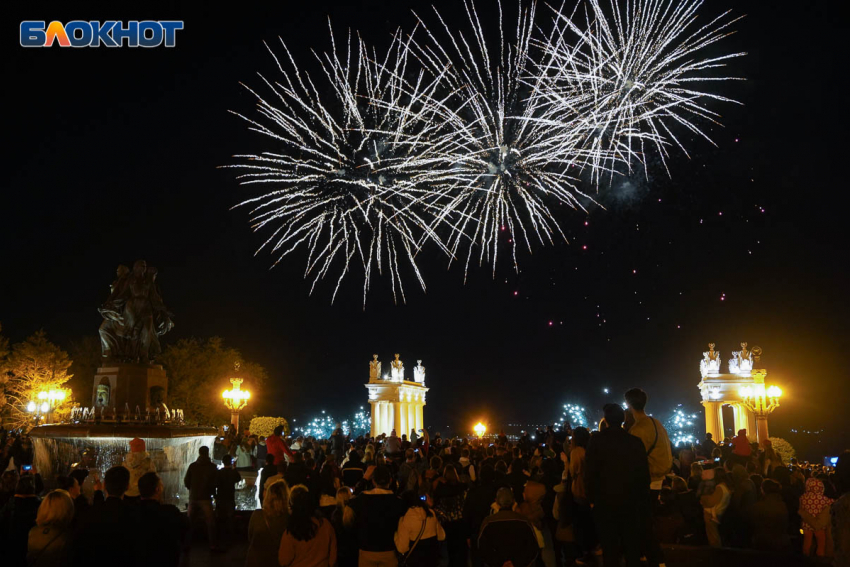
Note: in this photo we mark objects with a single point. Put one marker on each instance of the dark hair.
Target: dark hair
(770, 486)
(278, 430)
(147, 484)
(204, 451)
(708, 435)
(636, 398)
(381, 475)
(80, 475)
(501, 466)
(581, 436)
(326, 481)
(300, 523)
(65, 483)
(226, 460)
(117, 480)
(667, 496)
(26, 485)
(409, 454)
(450, 474)
(411, 500)
(614, 415)
(269, 459)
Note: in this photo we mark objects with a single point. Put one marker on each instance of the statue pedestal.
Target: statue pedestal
(116, 384)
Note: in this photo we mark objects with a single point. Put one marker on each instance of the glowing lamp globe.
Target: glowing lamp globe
(774, 391)
(480, 429)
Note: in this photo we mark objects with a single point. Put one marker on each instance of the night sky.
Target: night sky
(113, 155)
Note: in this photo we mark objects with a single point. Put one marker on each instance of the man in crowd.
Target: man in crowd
(617, 486)
(200, 480)
(659, 455)
(112, 529)
(507, 537)
(277, 447)
(162, 528)
(376, 515)
(225, 495)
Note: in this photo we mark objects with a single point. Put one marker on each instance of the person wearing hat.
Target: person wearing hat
(138, 462)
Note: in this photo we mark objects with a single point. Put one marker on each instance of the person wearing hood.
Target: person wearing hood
(812, 502)
(139, 463)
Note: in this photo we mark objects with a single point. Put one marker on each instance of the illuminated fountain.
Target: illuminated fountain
(98, 437)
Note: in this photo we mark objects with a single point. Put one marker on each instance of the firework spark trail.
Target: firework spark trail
(469, 140)
(504, 156)
(633, 75)
(350, 175)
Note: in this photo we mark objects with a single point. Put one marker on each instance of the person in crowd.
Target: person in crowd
(668, 521)
(17, 518)
(200, 479)
(741, 449)
(477, 507)
(576, 472)
(342, 519)
(518, 475)
(296, 471)
(262, 451)
(736, 525)
(112, 528)
(8, 482)
(769, 519)
(507, 537)
(408, 472)
(266, 527)
(695, 477)
(309, 540)
(160, 523)
(138, 462)
(226, 479)
(376, 515)
(618, 500)
(418, 533)
(771, 459)
(329, 484)
(466, 467)
(245, 455)
(393, 444)
(813, 501)
(337, 443)
(449, 495)
(687, 503)
(658, 452)
(49, 541)
(275, 445)
(268, 471)
(352, 472)
(715, 503)
(708, 445)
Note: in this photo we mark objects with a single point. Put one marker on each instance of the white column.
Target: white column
(411, 417)
(373, 411)
(714, 419)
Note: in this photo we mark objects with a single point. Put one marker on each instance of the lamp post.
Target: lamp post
(761, 401)
(235, 399)
(48, 399)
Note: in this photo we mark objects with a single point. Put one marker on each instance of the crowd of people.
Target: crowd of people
(553, 498)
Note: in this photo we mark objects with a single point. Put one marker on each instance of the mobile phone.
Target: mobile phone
(716, 459)
(26, 467)
(423, 498)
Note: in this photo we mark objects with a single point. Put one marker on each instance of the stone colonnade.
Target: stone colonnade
(743, 418)
(401, 416)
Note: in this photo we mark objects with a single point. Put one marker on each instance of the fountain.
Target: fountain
(99, 436)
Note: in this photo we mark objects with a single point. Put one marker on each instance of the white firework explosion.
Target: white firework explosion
(349, 172)
(504, 156)
(634, 75)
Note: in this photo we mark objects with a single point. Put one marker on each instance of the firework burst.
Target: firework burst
(349, 175)
(633, 75)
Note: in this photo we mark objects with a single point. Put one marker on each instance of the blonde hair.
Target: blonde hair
(343, 495)
(57, 509)
(276, 499)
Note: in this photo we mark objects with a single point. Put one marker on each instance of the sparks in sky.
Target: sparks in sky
(349, 167)
(635, 73)
(459, 137)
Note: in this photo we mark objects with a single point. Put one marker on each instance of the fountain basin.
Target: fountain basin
(171, 448)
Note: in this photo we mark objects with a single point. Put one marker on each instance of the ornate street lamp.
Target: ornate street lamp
(49, 400)
(761, 401)
(235, 399)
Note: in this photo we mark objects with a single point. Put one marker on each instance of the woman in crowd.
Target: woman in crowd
(342, 519)
(813, 502)
(328, 486)
(309, 540)
(266, 526)
(449, 496)
(49, 540)
(245, 454)
(714, 504)
(17, 518)
(418, 533)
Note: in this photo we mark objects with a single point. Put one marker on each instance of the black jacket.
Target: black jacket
(162, 529)
(617, 470)
(376, 516)
(200, 479)
(507, 536)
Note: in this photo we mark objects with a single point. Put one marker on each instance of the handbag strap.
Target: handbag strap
(415, 543)
(654, 443)
(43, 549)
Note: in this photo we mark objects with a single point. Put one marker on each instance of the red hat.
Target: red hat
(137, 445)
